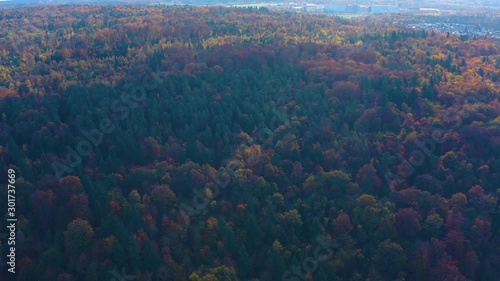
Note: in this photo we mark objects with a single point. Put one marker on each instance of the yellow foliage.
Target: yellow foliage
(212, 223)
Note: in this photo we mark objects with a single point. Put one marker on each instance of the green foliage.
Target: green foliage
(78, 237)
(208, 143)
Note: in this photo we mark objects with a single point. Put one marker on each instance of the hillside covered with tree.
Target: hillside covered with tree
(216, 144)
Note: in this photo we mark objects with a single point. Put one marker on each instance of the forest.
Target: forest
(221, 144)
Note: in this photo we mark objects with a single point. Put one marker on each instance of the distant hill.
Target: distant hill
(404, 3)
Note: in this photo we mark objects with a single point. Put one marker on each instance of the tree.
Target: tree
(78, 237)
(292, 223)
(79, 206)
(420, 261)
(368, 179)
(342, 225)
(367, 213)
(150, 257)
(408, 223)
(390, 260)
(481, 201)
(253, 235)
(163, 197)
(152, 149)
(277, 263)
(433, 226)
(215, 274)
(480, 234)
(67, 186)
(458, 201)
(245, 263)
(447, 271)
(43, 205)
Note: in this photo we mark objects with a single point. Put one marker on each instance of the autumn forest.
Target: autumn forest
(222, 144)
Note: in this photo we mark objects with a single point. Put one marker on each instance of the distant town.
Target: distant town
(355, 10)
(337, 9)
(480, 26)
(460, 29)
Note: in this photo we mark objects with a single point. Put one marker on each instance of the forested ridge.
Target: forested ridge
(208, 143)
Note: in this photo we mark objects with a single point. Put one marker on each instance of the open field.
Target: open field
(258, 5)
(348, 16)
